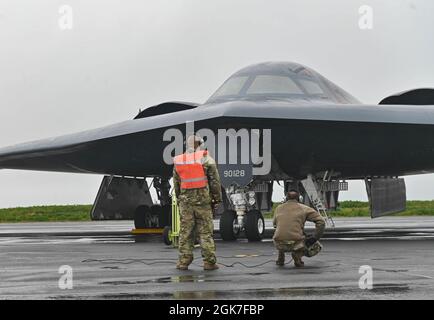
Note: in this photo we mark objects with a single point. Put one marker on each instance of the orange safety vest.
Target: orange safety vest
(189, 167)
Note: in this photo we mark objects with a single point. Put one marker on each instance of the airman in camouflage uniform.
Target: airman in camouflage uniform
(196, 212)
(289, 220)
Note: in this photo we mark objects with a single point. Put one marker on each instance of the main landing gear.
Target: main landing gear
(155, 217)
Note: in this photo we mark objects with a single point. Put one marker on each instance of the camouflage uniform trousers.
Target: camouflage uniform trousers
(196, 218)
(297, 248)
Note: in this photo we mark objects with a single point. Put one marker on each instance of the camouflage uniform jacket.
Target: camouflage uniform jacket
(290, 218)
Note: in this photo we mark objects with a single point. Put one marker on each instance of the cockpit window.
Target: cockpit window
(310, 86)
(291, 85)
(231, 87)
(269, 84)
(291, 82)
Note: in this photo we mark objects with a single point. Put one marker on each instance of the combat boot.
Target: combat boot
(181, 266)
(210, 266)
(281, 259)
(297, 261)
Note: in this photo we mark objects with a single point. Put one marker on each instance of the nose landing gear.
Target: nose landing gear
(252, 224)
(229, 228)
(255, 225)
(244, 218)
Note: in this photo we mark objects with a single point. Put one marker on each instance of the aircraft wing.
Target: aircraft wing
(132, 147)
(135, 147)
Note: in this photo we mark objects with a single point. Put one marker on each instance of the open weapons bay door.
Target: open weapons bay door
(118, 198)
(386, 196)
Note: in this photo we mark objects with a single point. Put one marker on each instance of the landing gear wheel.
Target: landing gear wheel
(228, 220)
(166, 235)
(140, 215)
(157, 215)
(255, 225)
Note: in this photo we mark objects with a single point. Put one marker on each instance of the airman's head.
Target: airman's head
(293, 195)
(194, 142)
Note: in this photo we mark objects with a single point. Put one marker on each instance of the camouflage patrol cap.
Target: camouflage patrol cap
(194, 139)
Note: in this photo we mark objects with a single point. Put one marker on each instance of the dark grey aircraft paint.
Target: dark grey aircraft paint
(315, 126)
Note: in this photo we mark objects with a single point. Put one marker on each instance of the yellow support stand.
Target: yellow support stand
(176, 222)
(171, 234)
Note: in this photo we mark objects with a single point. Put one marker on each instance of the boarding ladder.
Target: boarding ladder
(314, 196)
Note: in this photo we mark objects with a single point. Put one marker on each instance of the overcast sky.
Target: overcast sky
(120, 56)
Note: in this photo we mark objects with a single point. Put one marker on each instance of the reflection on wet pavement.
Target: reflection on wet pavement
(264, 293)
(193, 278)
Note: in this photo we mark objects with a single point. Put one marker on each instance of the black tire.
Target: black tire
(255, 226)
(139, 216)
(166, 235)
(157, 211)
(227, 220)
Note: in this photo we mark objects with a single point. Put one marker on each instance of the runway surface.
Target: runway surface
(107, 262)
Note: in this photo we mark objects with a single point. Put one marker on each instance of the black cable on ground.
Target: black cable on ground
(173, 261)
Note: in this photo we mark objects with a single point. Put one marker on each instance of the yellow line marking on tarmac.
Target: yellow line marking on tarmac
(147, 231)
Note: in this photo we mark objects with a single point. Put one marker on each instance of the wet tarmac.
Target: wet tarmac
(108, 263)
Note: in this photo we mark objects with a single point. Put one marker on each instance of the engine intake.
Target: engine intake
(422, 96)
